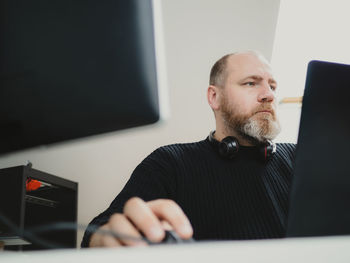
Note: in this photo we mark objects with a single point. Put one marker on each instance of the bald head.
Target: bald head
(219, 71)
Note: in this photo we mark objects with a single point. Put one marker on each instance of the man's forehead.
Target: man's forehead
(248, 64)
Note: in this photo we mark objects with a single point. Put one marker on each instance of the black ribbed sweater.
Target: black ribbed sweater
(243, 198)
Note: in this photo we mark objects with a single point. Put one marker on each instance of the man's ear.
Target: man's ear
(213, 97)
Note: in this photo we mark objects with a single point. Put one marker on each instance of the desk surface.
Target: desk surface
(325, 249)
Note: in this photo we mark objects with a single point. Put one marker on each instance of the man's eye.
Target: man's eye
(250, 83)
(273, 87)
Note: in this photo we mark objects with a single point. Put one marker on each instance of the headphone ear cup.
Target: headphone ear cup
(229, 147)
(268, 150)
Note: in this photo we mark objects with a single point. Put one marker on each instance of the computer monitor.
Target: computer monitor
(320, 194)
(71, 69)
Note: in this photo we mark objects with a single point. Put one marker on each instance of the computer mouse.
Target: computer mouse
(171, 237)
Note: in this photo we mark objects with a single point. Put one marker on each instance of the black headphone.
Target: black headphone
(229, 147)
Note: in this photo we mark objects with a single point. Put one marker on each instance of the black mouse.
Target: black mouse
(171, 237)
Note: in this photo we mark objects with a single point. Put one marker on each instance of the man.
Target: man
(232, 185)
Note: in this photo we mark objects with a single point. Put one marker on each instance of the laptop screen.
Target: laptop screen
(320, 195)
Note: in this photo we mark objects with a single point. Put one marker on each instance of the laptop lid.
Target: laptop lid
(320, 195)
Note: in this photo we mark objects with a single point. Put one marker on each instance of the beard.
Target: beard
(255, 127)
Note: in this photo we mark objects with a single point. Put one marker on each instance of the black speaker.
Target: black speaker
(31, 198)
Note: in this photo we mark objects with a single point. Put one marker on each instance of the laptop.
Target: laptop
(320, 194)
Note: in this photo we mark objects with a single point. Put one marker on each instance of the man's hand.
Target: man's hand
(150, 218)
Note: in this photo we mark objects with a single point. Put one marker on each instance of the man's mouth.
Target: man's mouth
(265, 111)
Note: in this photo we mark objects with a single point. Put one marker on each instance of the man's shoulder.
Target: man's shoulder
(286, 150)
(182, 148)
(172, 154)
(286, 145)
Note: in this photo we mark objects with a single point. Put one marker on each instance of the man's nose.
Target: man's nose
(266, 94)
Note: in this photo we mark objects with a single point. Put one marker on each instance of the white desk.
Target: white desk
(325, 249)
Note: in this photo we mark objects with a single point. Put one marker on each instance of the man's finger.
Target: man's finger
(109, 241)
(166, 225)
(171, 212)
(122, 226)
(144, 219)
(103, 240)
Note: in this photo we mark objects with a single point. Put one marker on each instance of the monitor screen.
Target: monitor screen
(70, 69)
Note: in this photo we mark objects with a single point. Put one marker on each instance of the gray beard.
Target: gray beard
(261, 130)
(255, 129)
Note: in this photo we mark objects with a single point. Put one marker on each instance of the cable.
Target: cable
(31, 233)
(88, 228)
(24, 234)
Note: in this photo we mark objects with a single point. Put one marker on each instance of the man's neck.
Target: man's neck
(221, 134)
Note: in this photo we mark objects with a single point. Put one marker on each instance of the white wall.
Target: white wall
(306, 30)
(197, 33)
